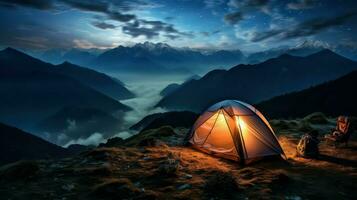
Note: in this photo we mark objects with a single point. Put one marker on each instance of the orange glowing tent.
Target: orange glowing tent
(235, 130)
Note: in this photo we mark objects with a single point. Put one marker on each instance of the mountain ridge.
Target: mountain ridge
(257, 82)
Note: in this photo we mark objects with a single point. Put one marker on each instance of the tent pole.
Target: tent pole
(240, 144)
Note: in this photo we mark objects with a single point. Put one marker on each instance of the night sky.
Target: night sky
(248, 25)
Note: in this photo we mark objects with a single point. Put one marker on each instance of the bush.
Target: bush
(169, 166)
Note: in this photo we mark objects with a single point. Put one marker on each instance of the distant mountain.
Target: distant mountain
(32, 90)
(304, 49)
(174, 86)
(169, 89)
(173, 119)
(76, 56)
(161, 58)
(99, 81)
(16, 144)
(332, 98)
(255, 83)
(71, 123)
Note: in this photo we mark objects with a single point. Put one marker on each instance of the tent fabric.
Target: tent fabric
(235, 130)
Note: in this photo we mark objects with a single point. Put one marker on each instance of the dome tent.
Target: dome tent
(235, 130)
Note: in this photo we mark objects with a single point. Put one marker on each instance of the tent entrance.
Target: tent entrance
(216, 135)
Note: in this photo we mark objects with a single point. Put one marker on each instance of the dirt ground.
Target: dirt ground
(176, 172)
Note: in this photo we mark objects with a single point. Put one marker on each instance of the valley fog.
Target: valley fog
(147, 89)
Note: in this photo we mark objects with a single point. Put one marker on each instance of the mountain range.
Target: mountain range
(32, 90)
(160, 57)
(332, 98)
(258, 82)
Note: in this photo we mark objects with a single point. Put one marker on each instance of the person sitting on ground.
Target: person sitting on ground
(341, 129)
(308, 145)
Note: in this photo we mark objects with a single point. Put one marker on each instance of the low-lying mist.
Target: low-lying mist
(147, 89)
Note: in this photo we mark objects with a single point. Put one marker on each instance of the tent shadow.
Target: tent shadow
(341, 161)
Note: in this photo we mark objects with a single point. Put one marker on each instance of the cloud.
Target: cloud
(101, 7)
(306, 28)
(213, 3)
(103, 25)
(233, 18)
(301, 4)
(153, 28)
(244, 7)
(37, 4)
(248, 3)
(93, 139)
(209, 33)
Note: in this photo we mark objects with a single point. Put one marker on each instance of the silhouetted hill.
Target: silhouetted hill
(31, 90)
(255, 83)
(169, 89)
(99, 81)
(73, 123)
(16, 144)
(174, 86)
(332, 98)
(173, 119)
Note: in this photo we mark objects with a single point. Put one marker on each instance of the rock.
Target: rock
(68, 187)
(316, 118)
(188, 176)
(19, 170)
(184, 186)
(112, 142)
(170, 165)
(152, 142)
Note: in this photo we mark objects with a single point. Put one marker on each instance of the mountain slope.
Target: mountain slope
(332, 98)
(32, 90)
(98, 81)
(254, 83)
(173, 119)
(16, 144)
(72, 123)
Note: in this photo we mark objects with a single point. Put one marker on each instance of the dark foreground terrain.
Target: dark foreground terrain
(152, 165)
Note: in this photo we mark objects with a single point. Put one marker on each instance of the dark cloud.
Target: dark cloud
(37, 4)
(169, 18)
(306, 28)
(233, 18)
(101, 7)
(172, 37)
(243, 7)
(138, 31)
(94, 6)
(245, 4)
(121, 17)
(103, 25)
(208, 34)
(260, 36)
(301, 4)
(153, 28)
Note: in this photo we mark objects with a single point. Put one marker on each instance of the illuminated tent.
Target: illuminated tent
(234, 130)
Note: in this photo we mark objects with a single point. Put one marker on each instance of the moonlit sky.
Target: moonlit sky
(248, 25)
